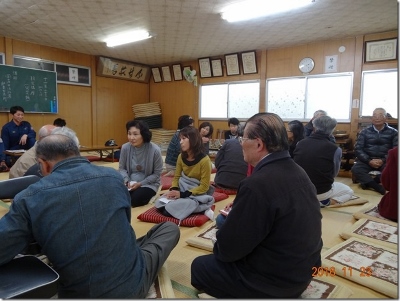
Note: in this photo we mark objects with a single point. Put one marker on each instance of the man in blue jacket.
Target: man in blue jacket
(372, 146)
(17, 134)
(80, 215)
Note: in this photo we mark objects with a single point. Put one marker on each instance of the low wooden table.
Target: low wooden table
(100, 149)
(14, 155)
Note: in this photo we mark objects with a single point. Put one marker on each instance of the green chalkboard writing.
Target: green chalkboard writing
(34, 90)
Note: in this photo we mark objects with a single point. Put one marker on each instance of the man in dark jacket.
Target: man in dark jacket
(271, 239)
(230, 164)
(321, 159)
(371, 149)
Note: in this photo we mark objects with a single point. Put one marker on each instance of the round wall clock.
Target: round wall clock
(306, 65)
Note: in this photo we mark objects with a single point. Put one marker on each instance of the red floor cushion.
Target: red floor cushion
(93, 158)
(219, 196)
(107, 159)
(166, 182)
(228, 191)
(152, 215)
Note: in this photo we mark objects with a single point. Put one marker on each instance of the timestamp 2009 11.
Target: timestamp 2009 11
(344, 272)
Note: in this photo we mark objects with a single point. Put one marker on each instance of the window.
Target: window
(300, 97)
(240, 100)
(379, 89)
(33, 63)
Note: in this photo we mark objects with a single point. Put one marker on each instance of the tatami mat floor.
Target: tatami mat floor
(178, 264)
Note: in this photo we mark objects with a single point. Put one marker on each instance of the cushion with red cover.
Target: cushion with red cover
(219, 196)
(228, 191)
(93, 158)
(152, 215)
(166, 182)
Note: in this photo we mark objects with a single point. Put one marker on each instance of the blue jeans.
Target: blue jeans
(220, 220)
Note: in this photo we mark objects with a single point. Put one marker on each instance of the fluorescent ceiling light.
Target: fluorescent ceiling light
(252, 9)
(127, 37)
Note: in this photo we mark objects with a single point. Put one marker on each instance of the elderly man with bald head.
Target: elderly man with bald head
(28, 159)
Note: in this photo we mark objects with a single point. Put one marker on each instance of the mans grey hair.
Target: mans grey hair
(66, 131)
(381, 109)
(56, 147)
(324, 125)
(319, 113)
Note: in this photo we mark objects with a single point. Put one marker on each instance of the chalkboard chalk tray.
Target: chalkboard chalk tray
(34, 90)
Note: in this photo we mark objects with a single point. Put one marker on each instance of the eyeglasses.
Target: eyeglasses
(241, 139)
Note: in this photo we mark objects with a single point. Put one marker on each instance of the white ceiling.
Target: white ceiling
(185, 29)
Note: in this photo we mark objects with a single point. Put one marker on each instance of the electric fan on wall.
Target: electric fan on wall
(190, 76)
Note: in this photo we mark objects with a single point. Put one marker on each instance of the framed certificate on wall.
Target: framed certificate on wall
(205, 67)
(216, 65)
(232, 64)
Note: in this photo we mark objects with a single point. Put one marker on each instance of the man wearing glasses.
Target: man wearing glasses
(271, 239)
(372, 146)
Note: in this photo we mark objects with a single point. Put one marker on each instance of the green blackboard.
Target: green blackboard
(34, 90)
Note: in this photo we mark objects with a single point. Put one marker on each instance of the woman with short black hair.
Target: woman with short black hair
(140, 163)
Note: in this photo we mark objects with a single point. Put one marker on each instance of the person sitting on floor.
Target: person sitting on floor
(371, 148)
(34, 170)
(233, 124)
(274, 225)
(321, 160)
(28, 159)
(295, 132)
(80, 215)
(308, 128)
(206, 130)
(18, 133)
(174, 147)
(140, 163)
(190, 191)
(388, 206)
(230, 164)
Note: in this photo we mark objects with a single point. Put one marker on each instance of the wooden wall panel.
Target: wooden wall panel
(114, 102)
(74, 105)
(176, 98)
(284, 62)
(2, 44)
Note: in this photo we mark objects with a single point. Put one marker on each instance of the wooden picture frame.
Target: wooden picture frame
(249, 62)
(381, 50)
(205, 67)
(216, 65)
(166, 72)
(156, 74)
(177, 71)
(232, 64)
(120, 69)
(73, 74)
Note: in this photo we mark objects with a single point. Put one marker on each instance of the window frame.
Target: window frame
(362, 92)
(306, 118)
(227, 112)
